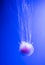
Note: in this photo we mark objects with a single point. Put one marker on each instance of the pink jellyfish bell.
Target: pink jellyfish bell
(26, 48)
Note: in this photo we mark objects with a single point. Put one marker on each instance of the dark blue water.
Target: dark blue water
(9, 36)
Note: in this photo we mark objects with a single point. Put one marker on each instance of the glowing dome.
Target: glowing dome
(26, 48)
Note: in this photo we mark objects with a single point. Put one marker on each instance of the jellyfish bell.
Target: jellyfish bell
(26, 48)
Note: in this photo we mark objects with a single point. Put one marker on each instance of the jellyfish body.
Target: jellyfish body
(25, 28)
(26, 48)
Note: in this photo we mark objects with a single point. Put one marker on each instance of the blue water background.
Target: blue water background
(9, 36)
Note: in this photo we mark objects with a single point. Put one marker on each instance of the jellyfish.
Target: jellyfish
(25, 28)
(26, 48)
